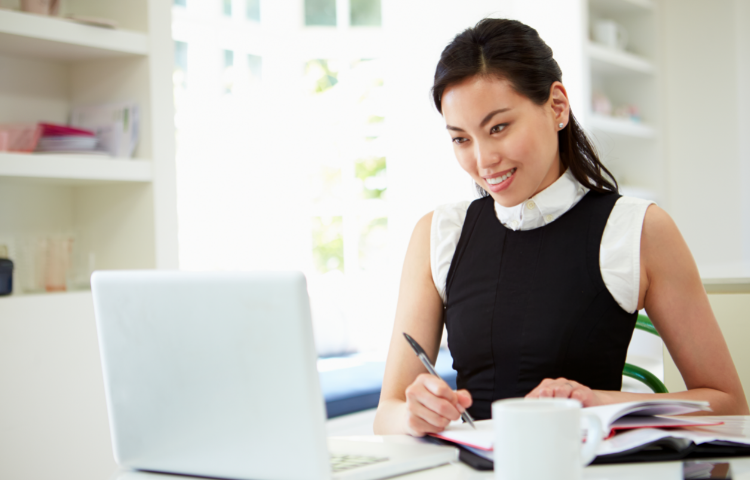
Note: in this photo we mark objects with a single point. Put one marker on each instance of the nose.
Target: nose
(487, 155)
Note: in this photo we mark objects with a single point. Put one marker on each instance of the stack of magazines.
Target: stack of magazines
(63, 139)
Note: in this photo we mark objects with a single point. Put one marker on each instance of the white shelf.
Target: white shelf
(609, 61)
(621, 126)
(620, 7)
(73, 169)
(17, 300)
(28, 35)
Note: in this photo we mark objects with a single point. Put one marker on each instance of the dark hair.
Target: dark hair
(513, 51)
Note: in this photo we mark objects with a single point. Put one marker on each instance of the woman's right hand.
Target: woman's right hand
(431, 405)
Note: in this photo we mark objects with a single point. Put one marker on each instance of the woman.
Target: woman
(539, 282)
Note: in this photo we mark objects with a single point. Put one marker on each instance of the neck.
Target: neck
(555, 171)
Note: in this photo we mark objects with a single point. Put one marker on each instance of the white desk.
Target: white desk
(460, 471)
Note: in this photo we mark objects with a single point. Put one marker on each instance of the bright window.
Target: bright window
(281, 160)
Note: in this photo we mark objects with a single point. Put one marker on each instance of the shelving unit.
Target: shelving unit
(631, 148)
(607, 61)
(73, 170)
(37, 36)
(623, 7)
(123, 211)
(622, 127)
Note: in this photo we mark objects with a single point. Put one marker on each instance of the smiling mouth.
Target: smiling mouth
(496, 180)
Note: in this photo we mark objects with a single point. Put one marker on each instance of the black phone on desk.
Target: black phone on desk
(703, 470)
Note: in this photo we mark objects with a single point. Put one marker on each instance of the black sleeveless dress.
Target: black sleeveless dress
(527, 305)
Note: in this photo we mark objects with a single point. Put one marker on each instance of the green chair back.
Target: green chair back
(641, 374)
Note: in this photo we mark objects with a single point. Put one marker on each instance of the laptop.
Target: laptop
(214, 374)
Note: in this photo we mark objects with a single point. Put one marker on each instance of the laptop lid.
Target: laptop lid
(173, 346)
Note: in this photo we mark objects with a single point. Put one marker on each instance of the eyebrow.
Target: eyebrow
(483, 122)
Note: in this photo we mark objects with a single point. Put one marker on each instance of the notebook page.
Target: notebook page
(482, 438)
(608, 414)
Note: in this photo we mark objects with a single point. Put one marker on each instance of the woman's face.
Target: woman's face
(506, 142)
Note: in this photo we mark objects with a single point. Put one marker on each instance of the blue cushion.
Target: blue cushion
(352, 383)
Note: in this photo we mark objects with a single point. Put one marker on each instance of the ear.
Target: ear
(559, 104)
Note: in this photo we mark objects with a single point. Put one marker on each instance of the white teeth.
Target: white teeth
(496, 180)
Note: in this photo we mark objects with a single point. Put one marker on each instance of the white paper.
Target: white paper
(736, 430)
(483, 437)
(608, 414)
(657, 422)
(116, 126)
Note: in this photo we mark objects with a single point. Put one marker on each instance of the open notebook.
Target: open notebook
(646, 416)
(639, 433)
(620, 416)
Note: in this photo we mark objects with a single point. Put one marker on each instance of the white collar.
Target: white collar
(544, 207)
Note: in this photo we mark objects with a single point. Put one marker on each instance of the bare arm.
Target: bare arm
(672, 293)
(412, 401)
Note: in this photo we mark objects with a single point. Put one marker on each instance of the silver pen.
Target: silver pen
(426, 362)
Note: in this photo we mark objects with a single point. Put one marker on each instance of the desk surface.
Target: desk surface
(460, 471)
(639, 471)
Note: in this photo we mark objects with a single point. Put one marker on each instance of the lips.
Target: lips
(502, 178)
(500, 182)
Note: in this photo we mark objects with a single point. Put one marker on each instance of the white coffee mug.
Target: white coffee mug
(541, 438)
(610, 34)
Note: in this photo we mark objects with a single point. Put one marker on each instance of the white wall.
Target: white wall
(706, 72)
(731, 310)
(53, 420)
(742, 26)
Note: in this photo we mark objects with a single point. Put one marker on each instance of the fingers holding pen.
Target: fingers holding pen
(432, 405)
(435, 395)
(464, 398)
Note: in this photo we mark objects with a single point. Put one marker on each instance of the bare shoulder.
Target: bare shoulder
(424, 225)
(666, 260)
(660, 238)
(418, 253)
(657, 222)
(420, 237)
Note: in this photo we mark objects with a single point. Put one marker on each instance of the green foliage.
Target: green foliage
(320, 13)
(328, 184)
(253, 10)
(372, 173)
(365, 13)
(372, 244)
(328, 243)
(319, 74)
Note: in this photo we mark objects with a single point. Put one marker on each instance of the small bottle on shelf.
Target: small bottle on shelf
(6, 272)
